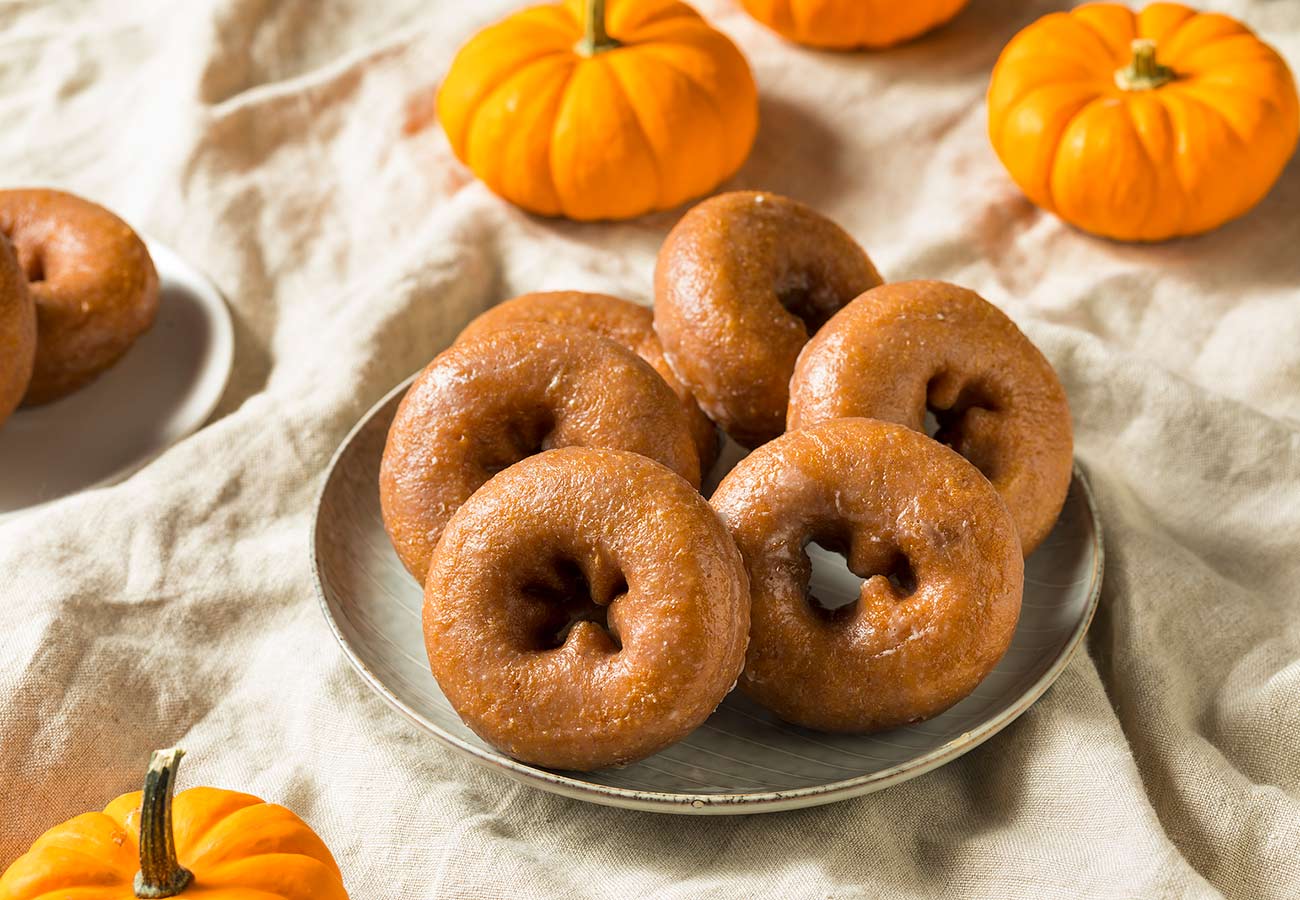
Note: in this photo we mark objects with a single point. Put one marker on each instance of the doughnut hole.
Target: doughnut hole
(881, 570)
(806, 295)
(567, 607)
(526, 433)
(962, 414)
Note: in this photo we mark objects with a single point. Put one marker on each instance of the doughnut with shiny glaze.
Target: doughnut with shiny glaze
(585, 608)
(93, 281)
(741, 283)
(934, 543)
(489, 401)
(904, 348)
(623, 322)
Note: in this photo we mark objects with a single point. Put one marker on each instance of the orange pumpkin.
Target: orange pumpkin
(1142, 126)
(211, 843)
(845, 24)
(563, 116)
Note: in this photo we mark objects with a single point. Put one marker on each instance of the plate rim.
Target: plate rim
(736, 803)
(223, 344)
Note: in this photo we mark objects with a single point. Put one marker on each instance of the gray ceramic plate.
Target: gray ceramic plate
(163, 390)
(742, 760)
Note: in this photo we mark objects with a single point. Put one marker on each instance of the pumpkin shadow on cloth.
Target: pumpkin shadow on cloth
(796, 153)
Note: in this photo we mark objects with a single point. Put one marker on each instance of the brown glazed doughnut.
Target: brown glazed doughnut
(623, 322)
(742, 281)
(17, 332)
(585, 608)
(902, 348)
(896, 504)
(489, 401)
(94, 284)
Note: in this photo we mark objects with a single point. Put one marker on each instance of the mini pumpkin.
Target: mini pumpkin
(564, 116)
(846, 24)
(210, 843)
(1142, 126)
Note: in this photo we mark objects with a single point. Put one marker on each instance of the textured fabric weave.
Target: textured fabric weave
(265, 142)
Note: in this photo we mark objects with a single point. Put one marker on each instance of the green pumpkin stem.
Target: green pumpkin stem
(160, 875)
(1143, 73)
(595, 39)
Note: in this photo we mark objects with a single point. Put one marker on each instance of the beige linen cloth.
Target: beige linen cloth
(263, 140)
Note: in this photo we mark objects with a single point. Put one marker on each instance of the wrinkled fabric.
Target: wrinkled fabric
(265, 142)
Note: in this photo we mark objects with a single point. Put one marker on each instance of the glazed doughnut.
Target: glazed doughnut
(902, 348)
(623, 322)
(17, 331)
(489, 401)
(94, 284)
(741, 282)
(932, 539)
(585, 608)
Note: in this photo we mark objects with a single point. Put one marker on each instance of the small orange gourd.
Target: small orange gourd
(1142, 126)
(564, 116)
(846, 24)
(210, 843)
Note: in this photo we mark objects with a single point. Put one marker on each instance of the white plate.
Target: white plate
(161, 391)
(742, 760)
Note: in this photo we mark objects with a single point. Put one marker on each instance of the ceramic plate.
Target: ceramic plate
(742, 760)
(163, 390)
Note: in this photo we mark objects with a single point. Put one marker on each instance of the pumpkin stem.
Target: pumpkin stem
(1143, 73)
(595, 39)
(160, 875)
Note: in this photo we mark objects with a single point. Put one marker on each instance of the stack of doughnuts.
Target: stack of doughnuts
(585, 606)
(77, 288)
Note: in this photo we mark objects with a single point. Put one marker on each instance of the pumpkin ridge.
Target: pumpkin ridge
(231, 870)
(663, 51)
(554, 113)
(560, 105)
(1188, 96)
(486, 97)
(1194, 103)
(87, 854)
(1222, 56)
(1056, 151)
(1172, 36)
(569, 30)
(196, 839)
(1208, 45)
(1006, 117)
(1168, 35)
(1211, 80)
(1183, 188)
(1153, 206)
(1024, 47)
(1266, 101)
(1009, 105)
(270, 815)
(667, 13)
(665, 60)
(612, 73)
(1118, 56)
(670, 30)
(538, 91)
(460, 142)
(1238, 30)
